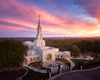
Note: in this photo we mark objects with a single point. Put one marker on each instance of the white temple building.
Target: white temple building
(38, 51)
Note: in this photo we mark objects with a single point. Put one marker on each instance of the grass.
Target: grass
(87, 64)
(78, 63)
(34, 75)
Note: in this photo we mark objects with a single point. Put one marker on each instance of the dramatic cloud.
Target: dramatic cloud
(91, 6)
(58, 18)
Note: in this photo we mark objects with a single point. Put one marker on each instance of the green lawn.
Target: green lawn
(79, 62)
(32, 74)
(87, 64)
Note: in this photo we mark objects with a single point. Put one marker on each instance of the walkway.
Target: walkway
(37, 69)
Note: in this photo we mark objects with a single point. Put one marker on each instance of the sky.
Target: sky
(58, 18)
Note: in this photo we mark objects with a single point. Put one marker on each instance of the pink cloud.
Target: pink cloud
(27, 16)
(20, 23)
(13, 28)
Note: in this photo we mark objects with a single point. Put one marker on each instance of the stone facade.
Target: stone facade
(38, 51)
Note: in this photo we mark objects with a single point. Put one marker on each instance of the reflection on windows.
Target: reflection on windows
(41, 44)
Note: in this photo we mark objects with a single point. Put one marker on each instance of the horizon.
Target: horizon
(56, 37)
(58, 18)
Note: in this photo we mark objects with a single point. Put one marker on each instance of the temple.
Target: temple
(38, 51)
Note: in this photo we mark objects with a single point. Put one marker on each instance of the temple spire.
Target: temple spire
(39, 21)
(39, 34)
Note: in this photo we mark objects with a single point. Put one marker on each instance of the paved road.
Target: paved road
(86, 75)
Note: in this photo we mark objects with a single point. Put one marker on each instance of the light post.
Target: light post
(60, 69)
(69, 67)
(49, 75)
(81, 67)
(66, 68)
(49, 71)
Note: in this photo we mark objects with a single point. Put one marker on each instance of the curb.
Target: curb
(73, 71)
(20, 78)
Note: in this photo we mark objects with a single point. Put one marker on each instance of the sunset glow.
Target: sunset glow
(59, 18)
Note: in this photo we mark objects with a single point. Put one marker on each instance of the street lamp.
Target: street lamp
(60, 68)
(81, 67)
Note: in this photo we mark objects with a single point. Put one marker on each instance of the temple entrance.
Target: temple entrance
(49, 58)
(67, 56)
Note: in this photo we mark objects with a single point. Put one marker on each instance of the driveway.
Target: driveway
(83, 75)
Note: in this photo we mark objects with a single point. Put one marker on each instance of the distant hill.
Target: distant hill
(61, 38)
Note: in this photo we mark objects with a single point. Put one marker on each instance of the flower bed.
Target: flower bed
(36, 64)
(64, 60)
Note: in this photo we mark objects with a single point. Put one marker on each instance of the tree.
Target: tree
(75, 50)
(12, 53)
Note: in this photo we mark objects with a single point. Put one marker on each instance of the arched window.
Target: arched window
(41, 44)
(31, 60)
(58, 56)
(26, 62)
(38, 58)
(49, 57)
(34, 59)
(67, 56)
(62, 56)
